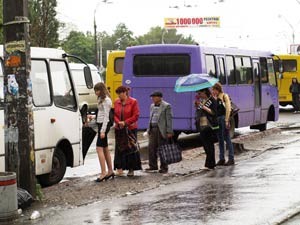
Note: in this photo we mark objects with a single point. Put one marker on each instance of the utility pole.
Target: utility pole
(19, 133)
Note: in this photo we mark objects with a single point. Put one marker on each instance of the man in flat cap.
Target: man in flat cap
(160, 129)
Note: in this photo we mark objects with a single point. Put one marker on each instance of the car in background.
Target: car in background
(86, 96)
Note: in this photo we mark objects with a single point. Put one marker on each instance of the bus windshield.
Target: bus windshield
(161, 65)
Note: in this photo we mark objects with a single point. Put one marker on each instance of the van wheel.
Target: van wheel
(59, 165)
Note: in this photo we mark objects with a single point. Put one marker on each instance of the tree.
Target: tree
(122, 37)
(79, 44)
(44, 25)
(1, 21)
(158, 35)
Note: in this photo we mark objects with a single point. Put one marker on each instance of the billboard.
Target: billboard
(181, 22)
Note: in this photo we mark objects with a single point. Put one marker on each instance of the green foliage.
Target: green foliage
(158, 35)
(39, 192)
(44, 25)
(81, 45)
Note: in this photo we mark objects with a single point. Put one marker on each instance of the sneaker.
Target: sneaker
(221, 162)
(229, 162)
(163, 171)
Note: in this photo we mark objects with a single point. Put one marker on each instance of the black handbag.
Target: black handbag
(170, 153)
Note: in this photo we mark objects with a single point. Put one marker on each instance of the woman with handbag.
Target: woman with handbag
(206, 109)
(224, 108)
(102, 119)
(127, 156)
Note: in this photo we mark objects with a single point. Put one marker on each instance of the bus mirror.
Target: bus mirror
(88, 77)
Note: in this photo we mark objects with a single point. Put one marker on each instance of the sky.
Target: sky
(249, 24)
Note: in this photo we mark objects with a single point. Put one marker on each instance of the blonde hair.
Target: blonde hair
(218, 87)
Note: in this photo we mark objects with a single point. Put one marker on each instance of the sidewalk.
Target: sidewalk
(79, 191)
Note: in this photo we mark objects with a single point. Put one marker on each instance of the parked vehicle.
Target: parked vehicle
(114, 72)
(248, 77)
(290, 69)
(86, 96)
(58, 137)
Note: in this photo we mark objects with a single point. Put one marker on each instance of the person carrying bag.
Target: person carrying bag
(224, 112)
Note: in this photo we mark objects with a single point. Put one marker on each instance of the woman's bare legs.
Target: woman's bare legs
(101, 157)
(108, 160)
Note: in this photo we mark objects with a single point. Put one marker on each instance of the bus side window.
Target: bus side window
(210, 65)
(230, 70)
(40, 83)
(263, 70)
(222, 76)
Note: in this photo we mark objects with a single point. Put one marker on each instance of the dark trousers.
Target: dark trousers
(155, 140)
(207, 139)
(296, 102)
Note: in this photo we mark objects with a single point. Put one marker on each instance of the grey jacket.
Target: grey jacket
(165, 116)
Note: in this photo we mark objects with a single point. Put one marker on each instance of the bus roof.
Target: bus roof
(288, 56)
(175, 48)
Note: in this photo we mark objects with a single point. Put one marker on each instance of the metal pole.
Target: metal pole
(96, 40)
(19, 133)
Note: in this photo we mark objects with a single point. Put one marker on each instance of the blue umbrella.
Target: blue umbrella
(194, 82)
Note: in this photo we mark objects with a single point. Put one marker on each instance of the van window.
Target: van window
(40, 83)
(119, 65)
(62, 90)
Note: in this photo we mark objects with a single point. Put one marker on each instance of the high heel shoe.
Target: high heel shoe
(112, 176)
(100, 179)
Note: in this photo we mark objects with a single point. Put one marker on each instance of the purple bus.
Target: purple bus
(247, 76)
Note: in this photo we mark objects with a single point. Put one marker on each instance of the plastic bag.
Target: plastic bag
(24, 198)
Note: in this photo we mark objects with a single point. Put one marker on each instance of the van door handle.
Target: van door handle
(52, 120)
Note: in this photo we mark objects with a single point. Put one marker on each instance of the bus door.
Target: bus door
(56, 116)
(2, 147)
(257, 91)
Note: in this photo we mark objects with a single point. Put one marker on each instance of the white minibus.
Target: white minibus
(57, 119)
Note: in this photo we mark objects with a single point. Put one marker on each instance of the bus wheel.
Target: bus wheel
(232, 127)
(176, 135)
(59, 165)
(262, 127)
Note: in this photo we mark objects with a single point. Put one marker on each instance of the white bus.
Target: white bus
(57, 119)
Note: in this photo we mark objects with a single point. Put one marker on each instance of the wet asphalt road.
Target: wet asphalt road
(261, 190)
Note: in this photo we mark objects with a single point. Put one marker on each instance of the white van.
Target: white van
(87, 97)
(58, 139)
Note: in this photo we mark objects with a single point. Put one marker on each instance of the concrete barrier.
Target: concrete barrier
(8, 196)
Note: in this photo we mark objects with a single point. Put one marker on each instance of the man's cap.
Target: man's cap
(156, 93)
